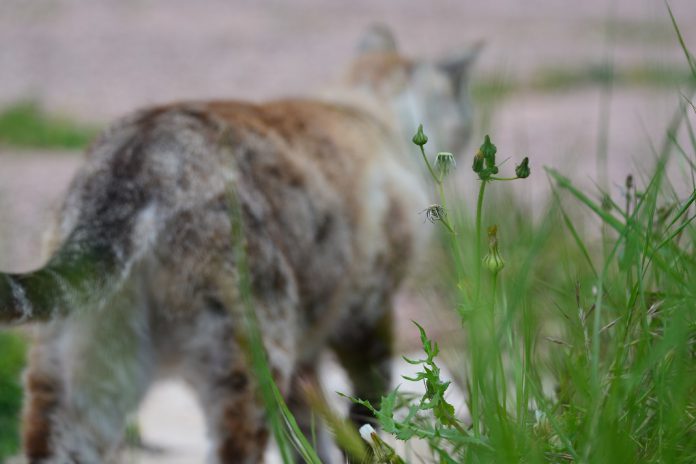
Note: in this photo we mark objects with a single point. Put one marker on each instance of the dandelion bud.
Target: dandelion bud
(444, 163)
(486, 173)
(522, 170)
(493, 261)
(478, 162)
(420, 138)
(488, 150)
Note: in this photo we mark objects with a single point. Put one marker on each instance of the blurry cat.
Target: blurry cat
(142, 275)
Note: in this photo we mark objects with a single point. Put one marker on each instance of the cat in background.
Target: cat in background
(141, 276)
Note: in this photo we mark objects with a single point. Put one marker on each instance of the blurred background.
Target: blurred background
(558, 81)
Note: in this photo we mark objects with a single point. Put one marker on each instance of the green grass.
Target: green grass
(491, 90)
(634, 33)
(653, 75)
(583, 348)
(26, 125)
(12, 348)
(575, 352)
(496, 86)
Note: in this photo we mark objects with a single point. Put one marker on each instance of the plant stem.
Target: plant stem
(503, 384)
(475, 385)
(440, 189)
(477, 264)
(449, 228)
(430, 168)
(443, 203)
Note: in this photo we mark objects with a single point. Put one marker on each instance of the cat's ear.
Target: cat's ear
(458, 65)
(378, 38)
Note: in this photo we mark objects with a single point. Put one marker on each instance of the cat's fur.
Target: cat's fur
(142, 274)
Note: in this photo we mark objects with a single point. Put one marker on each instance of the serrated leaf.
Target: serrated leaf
(420, 376)
(414, 362)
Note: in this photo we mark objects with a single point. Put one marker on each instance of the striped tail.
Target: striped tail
(72, 278)
(139, 172)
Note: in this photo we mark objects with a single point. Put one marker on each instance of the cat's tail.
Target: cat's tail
(34, 296)
(79, 274)
(109, 236)
(139, 174)
(85, 271)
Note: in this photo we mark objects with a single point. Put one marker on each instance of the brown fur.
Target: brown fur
(43, 393)
(385, 71)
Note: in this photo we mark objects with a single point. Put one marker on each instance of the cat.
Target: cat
(142, 273)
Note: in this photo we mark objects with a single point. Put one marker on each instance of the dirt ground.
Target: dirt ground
(94, 61)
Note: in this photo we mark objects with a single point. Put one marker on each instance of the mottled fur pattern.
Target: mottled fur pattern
(142, 275)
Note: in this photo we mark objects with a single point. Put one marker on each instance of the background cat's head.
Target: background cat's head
(432, 92)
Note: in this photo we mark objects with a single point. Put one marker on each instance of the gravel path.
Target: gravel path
(97, 60)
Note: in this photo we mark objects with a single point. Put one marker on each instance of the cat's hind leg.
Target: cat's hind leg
(364, 348)
(85, 374)
(215, 366)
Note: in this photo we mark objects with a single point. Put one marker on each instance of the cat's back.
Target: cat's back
(334, 189)
(324, 188)
(195, 144)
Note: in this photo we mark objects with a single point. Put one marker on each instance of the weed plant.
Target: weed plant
(573, 352)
